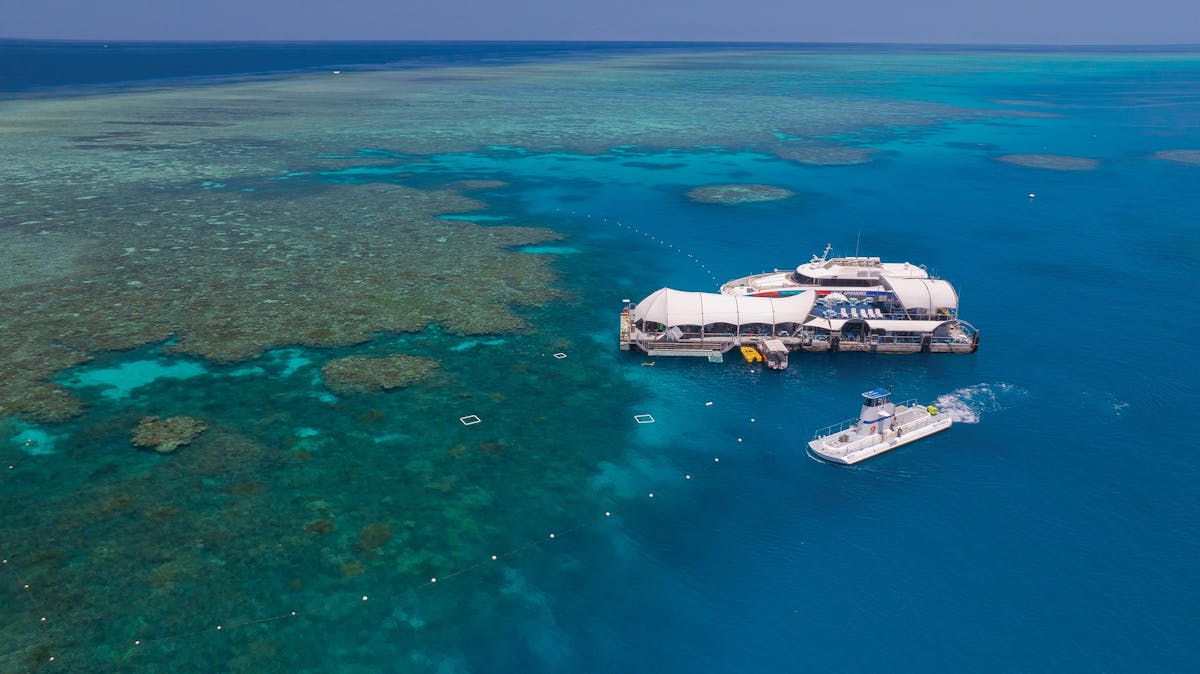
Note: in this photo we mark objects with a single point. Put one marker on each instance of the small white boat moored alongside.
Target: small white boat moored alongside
(881, 426)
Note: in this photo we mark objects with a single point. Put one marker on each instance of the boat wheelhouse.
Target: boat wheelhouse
(880, 426)
(893, 290)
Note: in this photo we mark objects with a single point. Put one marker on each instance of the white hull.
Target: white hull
(857, 448)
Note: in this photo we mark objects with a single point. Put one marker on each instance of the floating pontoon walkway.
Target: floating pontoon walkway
(677, 323)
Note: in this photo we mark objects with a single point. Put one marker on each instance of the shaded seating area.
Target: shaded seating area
(704, 315)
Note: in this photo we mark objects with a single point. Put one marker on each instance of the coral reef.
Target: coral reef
(361, 374)
(1054, 162)
(372, 537)
(258, 272)
(822, 154)
(166, 435)
(732, 195)
(468, 185)
(1179, 156)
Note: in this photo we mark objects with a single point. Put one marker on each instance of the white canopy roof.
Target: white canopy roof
(923, 293)
(677, 307)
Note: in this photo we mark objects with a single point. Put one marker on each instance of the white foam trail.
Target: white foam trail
(966, 405)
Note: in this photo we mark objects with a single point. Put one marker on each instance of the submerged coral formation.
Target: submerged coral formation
(824, 154)
(360, 374)
(166, 435)
(731, 195)
(1054, 162)
(1179, 156)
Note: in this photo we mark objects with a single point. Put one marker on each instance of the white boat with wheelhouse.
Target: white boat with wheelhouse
(881, 426)
(849, 276)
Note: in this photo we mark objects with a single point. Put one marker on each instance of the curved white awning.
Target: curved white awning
(922, 293)
(678, 307)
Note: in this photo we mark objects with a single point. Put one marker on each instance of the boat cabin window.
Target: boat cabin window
(838, 282)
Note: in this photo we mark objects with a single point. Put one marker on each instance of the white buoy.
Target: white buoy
(1032, 195)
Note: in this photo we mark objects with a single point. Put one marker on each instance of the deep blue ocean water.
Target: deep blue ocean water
(1055, 529)
(41, 65)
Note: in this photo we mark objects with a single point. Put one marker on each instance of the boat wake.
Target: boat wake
(966, 405)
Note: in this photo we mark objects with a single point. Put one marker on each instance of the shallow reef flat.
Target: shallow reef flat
(227, 276)
(261, 128)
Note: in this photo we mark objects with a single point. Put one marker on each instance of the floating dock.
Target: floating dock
(677, 323)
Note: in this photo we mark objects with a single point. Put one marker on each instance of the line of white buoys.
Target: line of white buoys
(662, 242)
(10, 565)
(397, 593)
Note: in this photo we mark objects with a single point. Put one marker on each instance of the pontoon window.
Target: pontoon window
(755, 329)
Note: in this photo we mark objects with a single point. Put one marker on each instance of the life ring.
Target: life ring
(872, 429)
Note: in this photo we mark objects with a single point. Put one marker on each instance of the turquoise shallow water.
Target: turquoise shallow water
(1054, 529)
